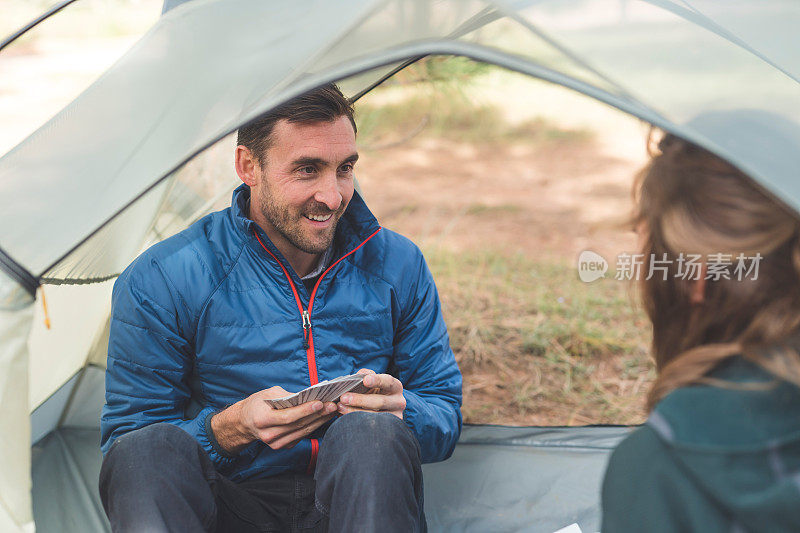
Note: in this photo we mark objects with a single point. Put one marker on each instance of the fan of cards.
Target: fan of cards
(324, 391)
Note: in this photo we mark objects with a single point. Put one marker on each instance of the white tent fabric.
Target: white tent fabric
(104, 177)
(16, 314)
(73, 330)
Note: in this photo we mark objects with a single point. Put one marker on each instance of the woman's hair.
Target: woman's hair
(689, 202)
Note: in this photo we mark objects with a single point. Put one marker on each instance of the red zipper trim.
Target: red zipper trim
(310, 356)
(313, 461)
(294, 291)
(314, 292)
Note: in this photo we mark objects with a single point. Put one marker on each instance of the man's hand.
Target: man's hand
(386, 395)
(252, 419)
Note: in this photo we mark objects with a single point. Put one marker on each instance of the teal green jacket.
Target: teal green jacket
(711, 459)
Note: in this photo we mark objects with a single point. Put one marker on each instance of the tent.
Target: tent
(102, 179)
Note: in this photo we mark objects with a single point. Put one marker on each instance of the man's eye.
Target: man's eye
(347, 167)
(307, 170)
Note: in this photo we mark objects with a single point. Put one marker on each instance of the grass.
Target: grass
(454, 118)
(553, 349)
(433, 98)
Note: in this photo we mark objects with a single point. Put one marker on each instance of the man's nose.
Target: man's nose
(328, 191)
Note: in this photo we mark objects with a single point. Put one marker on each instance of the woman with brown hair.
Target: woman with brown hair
(721, 448)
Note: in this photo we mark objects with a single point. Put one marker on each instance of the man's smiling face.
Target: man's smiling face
(305, 184)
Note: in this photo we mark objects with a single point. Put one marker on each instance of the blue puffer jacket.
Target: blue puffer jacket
(211, 315)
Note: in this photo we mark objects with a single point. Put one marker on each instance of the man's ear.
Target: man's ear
(697, 294)
(246, 165)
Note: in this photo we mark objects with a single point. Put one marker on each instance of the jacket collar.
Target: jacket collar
(357, 223)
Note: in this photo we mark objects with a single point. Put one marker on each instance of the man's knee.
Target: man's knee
(154, 468)
(159, 451)
(364, 432)
(151, 447)
(158, 455)
(367, 422)
(371, 458)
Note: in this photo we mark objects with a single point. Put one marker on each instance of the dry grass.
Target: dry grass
(501, 209)
(454, 116)
(536, 345)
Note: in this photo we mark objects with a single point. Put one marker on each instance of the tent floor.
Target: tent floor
(499, 479)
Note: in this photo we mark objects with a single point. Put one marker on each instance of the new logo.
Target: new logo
(591, 266)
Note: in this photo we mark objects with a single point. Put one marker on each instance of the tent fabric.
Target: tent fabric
(76, 404)
(521, 479)
(66, 469)
(58, 352)
(666, 62)
(16, 315)
(46, 417)
(80, 338)
(499, 479)
(66, 456)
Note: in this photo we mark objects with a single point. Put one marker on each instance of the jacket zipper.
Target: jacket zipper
(305, 315)
(306, 329)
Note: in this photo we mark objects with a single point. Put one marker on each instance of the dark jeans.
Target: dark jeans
(368, 478)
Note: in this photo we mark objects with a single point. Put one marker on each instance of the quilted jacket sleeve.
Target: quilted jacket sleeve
(427, 367)
(150, 359)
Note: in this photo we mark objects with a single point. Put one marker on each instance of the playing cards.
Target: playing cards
(324, 391)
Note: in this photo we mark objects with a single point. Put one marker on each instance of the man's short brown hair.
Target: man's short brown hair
(323, 104)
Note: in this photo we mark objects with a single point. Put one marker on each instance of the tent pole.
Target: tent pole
(35, 22)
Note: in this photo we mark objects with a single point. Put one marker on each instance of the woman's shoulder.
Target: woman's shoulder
(640, 484)
(712, 416)
(707, 458)
(642, 452)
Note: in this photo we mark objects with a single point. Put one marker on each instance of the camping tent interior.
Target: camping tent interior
(721, 75)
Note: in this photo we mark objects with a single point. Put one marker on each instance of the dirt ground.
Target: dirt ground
(557, 199)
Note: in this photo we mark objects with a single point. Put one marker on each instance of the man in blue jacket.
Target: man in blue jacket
(293, 284)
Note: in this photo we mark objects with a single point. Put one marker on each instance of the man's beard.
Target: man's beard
(291, 226)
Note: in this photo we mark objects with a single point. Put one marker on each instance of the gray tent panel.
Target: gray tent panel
(46, 417)
(66, 462)
(76, 403)
(499, 479)
(65, 469)
(520, 479)
(82, 411)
